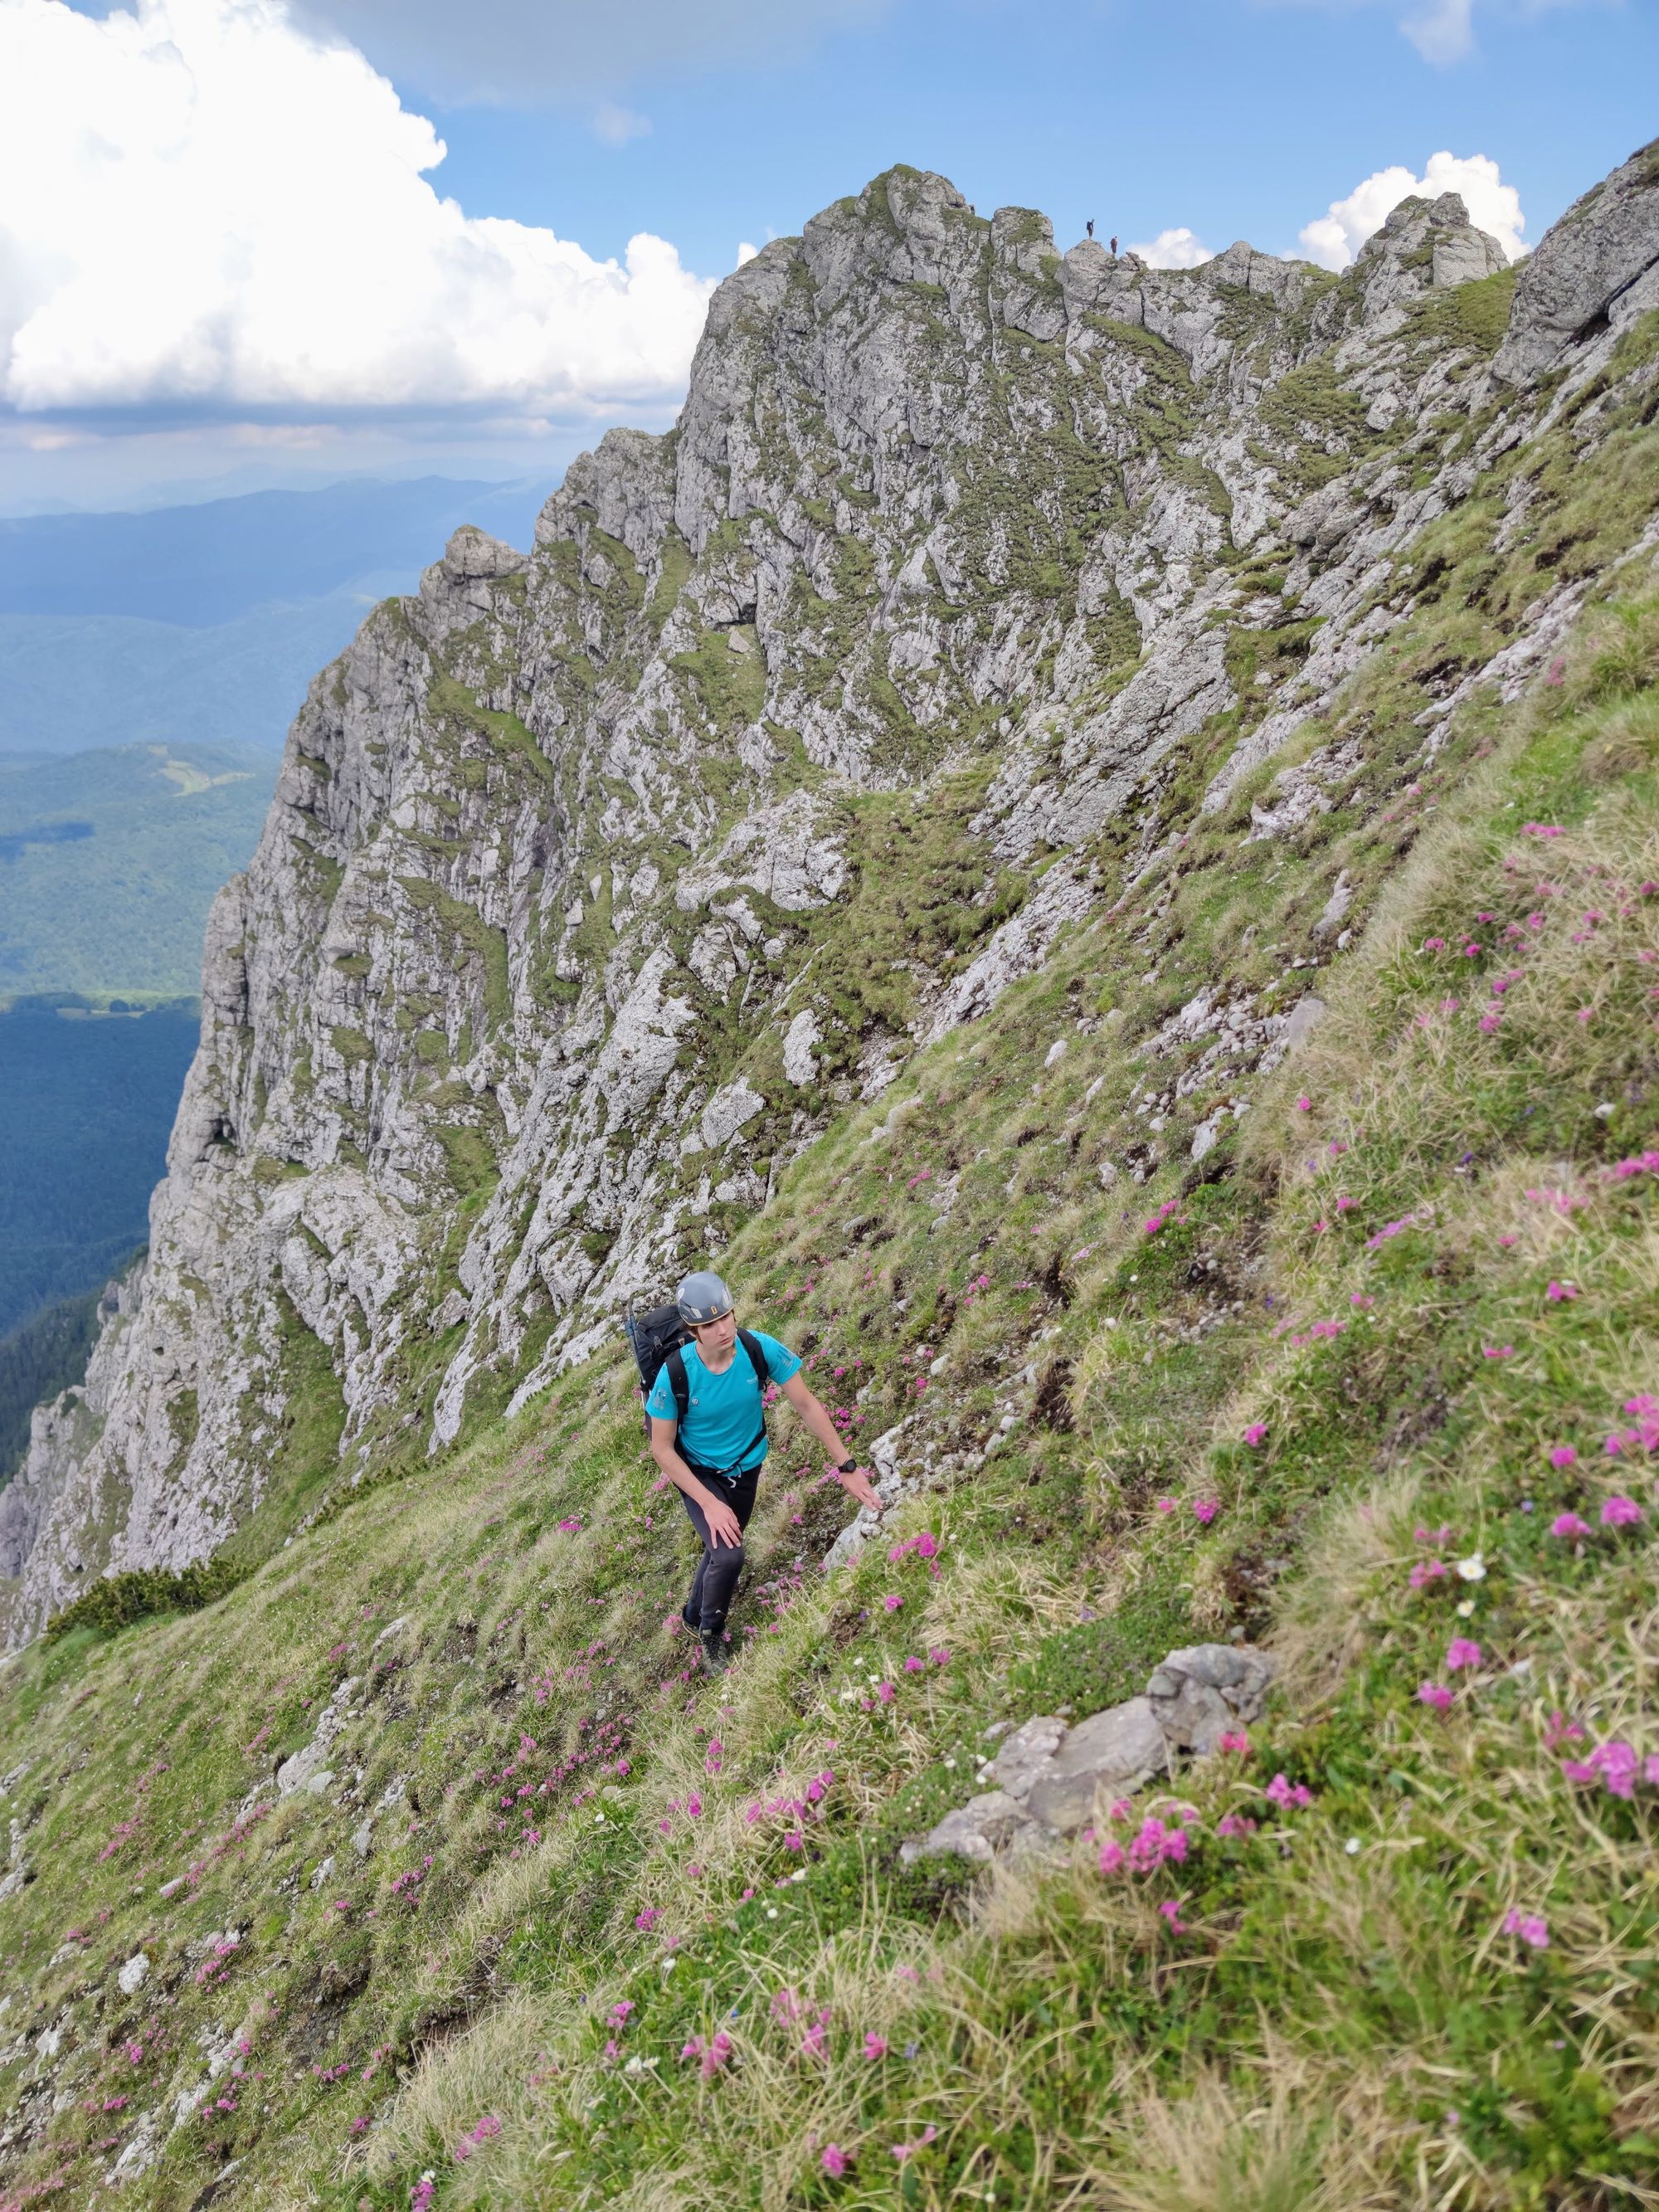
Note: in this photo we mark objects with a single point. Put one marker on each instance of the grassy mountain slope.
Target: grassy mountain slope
(1402, 1310)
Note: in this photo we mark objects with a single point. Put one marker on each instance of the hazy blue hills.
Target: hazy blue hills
(200, 624)
(109, 861)
(207, 564)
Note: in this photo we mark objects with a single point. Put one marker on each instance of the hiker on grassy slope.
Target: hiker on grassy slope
(706, 1411)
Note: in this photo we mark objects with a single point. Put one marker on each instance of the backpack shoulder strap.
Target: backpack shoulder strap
(752, 1345)
(679, 1382)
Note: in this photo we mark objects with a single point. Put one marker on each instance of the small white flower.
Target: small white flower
(951, 1764)
(1473, 1569)
(1466, 1610)
(599, 1819)
(1352, 1847)
(771, 1911)
(669, 1965)
(800, 1875)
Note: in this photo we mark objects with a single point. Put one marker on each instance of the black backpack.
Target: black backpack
(657, 1338)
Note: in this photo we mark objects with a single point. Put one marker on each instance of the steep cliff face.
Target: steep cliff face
(597, 877)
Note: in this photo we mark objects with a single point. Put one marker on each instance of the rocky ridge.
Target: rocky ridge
(573, 917)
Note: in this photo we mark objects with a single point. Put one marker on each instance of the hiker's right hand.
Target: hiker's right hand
(723, 1528)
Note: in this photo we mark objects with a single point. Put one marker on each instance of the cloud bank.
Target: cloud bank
(1174, 249)
(203, 203)
(1334, 238)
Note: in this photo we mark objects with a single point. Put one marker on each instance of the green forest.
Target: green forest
(86, 1103)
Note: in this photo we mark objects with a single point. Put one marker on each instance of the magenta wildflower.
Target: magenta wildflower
(875, 2046)
(1234, 1824)
(1170, 1910)
(1497, 1351)
(1164, 1504)
(1621, 1512)
(1555, 1293)
(1461, 1653)
(1569, 1527)
(1434, 1694)
(1255, 1432)
(1563, 1455)
(1234, 1740)
(1282, 1792)
(886, 1692)
(913, 1665)
(902, 2151)
(1426, 1571)
(1205, 1509)
(1530, 1927)
(835, 2161)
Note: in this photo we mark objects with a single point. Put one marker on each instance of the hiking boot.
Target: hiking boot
(716, 1652)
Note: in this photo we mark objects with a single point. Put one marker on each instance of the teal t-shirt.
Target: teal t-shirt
(723, 1417)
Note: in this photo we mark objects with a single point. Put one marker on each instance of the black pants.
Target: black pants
(710, 1597)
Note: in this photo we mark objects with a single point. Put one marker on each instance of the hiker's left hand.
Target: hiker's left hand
(858, 1484)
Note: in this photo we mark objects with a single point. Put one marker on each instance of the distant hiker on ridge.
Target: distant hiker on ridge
(1090, 226)
(706, 1416)
(1114, 249)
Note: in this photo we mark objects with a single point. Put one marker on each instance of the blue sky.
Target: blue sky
(1236, 120)
(250, 265)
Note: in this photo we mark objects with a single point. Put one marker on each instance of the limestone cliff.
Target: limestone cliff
(597, 876)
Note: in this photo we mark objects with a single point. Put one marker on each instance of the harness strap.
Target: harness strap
(679, 1383)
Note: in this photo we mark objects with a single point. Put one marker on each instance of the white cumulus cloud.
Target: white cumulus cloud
(1333, 239)
(203, 202)
(1174, 249)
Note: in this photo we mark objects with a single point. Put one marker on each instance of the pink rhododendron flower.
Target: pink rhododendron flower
(1619, 1513)
(1530, 1927)
(1435, 1694)
(1569, 1525)
(1461, 1653)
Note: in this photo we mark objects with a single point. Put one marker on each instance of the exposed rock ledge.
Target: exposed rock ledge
(1049, 1775)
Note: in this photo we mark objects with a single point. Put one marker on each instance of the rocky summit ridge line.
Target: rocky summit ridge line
(570, 924)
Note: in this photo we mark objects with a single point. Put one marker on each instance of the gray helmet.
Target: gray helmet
(701, 1298)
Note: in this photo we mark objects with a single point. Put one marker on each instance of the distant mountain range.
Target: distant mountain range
(203, 623)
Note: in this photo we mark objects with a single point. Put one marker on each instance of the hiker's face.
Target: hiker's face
(717, 1336)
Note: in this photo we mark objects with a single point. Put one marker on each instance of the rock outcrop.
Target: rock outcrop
(558, 942)
(1053, 1779)
(1597, 269)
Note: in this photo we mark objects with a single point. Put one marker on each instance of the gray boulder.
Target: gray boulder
(1027, 1752)
(1598, 266)
(978, 1831)
(1196, 1696)
(1109, 1754)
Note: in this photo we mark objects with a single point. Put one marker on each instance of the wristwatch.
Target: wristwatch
(847, 1467)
